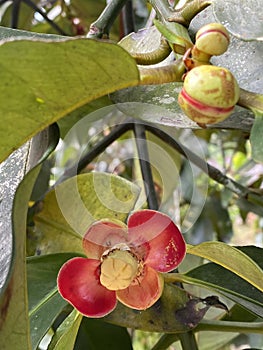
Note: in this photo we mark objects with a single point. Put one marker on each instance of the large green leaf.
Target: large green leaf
(99, 335)
(232, 259)
(66, 333)
(54, 78)
(14, 330)
(45, 303)
(74, 204)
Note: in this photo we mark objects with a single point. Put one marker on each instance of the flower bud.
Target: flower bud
(213, 39)
(209, 94)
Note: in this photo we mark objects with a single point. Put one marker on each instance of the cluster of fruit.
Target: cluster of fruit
(209, 93)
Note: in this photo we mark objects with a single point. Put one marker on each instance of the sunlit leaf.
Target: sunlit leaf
(73, 205)
(66, 333)
(232, 259)
(53, 79)
(14, 330)
(242, 18)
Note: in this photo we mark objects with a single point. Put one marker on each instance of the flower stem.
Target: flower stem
(143, 154)
(103, 24)
(182, 15)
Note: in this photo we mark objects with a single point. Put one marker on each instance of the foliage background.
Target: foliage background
(225, 217)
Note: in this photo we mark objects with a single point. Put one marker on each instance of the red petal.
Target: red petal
(162, 241)
(78, 283)
(144, 291)
(101, 236)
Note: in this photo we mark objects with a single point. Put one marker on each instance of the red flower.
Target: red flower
(124, 263)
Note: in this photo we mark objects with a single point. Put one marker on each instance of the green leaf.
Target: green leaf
(53, 79)
(73, 205)
(99, 335)
(256, 138)
(14, 325)
(158, 318)
(232, 259)
(215, 277)
(66, 333)
(45, 303)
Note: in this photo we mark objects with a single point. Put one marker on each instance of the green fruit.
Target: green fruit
(213, 39)
(209, 94)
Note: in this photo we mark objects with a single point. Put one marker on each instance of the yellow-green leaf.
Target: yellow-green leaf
(53, 78)
(74, 204)
(230, 258)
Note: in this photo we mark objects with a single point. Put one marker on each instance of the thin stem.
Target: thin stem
(211, 171)
(165, 341)
(44, 15)
(188, 341)
(161, 8)
(141, 142)
(229, 326)
(127, 18)
(15, 14)
(103, 24)
(115, 133)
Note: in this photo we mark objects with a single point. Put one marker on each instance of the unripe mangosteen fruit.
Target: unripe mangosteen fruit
(209, 94)
(213, 39)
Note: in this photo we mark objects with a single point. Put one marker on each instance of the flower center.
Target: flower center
(118, 269)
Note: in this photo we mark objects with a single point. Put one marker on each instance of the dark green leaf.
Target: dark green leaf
(230, 285)
(45, 303)
(98, 335)
(232, 259)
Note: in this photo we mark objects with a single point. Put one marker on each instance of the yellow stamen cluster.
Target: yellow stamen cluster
(118, 269)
